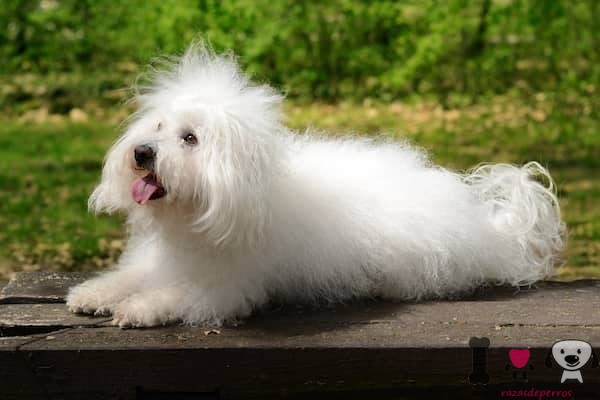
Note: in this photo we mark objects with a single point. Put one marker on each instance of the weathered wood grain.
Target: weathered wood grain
(40, 287)
(369, 349)
(22, 319)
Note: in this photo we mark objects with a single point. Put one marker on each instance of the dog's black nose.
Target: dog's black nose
(144, 156)
(571, 359)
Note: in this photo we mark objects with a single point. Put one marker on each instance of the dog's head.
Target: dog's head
(203, 146)
(571, 355)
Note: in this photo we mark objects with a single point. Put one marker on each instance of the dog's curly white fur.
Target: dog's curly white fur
(248, 210)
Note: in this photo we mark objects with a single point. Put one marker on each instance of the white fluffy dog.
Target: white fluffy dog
(227, 208)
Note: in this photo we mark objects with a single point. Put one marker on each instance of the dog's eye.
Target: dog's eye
(562, 351)
(578, 351)
(190, 139)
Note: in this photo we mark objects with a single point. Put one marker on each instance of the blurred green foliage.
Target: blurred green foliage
(316, 49)
(470, 80)
(48, 169)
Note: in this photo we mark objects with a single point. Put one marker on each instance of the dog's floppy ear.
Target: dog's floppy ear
(548, 363)
(112, 193)
(240, 159)
(595, 361)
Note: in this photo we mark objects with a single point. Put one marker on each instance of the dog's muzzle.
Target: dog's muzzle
(147, 186)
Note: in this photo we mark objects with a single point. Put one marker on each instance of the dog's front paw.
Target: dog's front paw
(137, 312)
(88, 299)
(83, 299)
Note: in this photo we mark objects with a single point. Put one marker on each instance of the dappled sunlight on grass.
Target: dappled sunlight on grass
(46, 174)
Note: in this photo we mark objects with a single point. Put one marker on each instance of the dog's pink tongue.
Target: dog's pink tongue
(142, 189)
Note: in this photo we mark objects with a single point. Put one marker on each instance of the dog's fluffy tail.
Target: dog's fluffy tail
(523, 208)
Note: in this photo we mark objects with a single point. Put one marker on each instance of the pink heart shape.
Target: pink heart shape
(519, 357)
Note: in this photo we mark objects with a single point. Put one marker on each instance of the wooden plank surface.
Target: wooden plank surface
(367, 347)
(40, 287)
(19, 319)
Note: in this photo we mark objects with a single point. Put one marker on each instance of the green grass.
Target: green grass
(47, 170)
(46, 174)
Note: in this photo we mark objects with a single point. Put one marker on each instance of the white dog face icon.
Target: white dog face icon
(572, 355)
